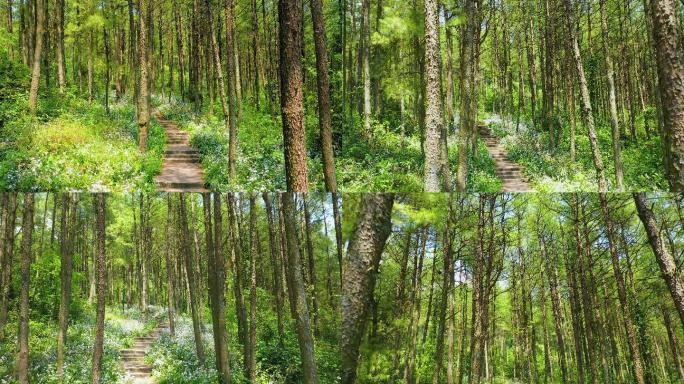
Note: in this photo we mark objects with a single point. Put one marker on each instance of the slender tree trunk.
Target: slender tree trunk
(22, 359)
(447, 280)
(291, 96)
(366, 244)
(469, 74)
(667, 40)
(143, 92)
(365, 64)
(37, 54)
(9, 220)
(275, 259)
(323, 83)
(189, 266)
(637, 360)
(615, 128)
(297, 289)
(585, 98)
(253, 246)
(232, 81)
(101, 269)
(67, 225)
(59, 50)
(170, 279)
(666, 261)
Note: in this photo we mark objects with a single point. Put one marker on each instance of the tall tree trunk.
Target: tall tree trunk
(189, 266)
(275, 259)
(297, 289)
(232, 92)
(238, 270)
(22, 359)
(67, 225)
(311, 262)
(637, 360)
(9, 220)
(37, 54)
(469, 74)
(447, 280)
(615, 128)
(434, 122)
(585, 98)
(143, 67)
(101, 269)
(666, 261)
(59, 50)
(323, 83)
(217, 279)
(667, 40)
(253, 246)
(365, 66)
(170, 279)
(366, 244)
(291, 96)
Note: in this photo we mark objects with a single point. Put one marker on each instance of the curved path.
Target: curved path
(508, 171)
(134, 357)
(181, 170)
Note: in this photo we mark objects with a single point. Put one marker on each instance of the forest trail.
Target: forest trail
(134, 357)
(181, 170)
(508, 171)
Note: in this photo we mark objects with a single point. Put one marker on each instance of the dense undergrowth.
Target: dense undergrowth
(551, 170)
(71, 144)
(390, 161)
(174, 360)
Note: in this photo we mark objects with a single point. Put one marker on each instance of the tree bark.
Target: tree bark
(323, 83)
(612, 103)
(667, 40)
(434, 122)
(666, 261)
(170, 279)
(143, 67)
(637, 360)
(190, 269)
(67, 225)
(253, 240)
(585, 98)
(291, 96)
(37, 55)
(22, 362)
(101, 269)
(366, 244)
(295, 282)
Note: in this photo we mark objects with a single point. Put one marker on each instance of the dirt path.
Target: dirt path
(134, 357)
(181, 170)
(508, 171)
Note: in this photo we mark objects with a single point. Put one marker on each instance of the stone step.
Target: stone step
(193, 159)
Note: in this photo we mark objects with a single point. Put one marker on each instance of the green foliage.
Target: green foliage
(75, 145)
(393, 161)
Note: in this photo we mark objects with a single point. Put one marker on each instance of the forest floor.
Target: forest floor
(508, 171)
(181, 170)
(133, 358)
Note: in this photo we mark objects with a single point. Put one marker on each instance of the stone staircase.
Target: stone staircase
(134, 357)
(509, 172)
(181, 169)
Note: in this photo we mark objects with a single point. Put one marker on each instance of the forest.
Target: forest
(371, 95)
(513, 288)
(169, 288)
